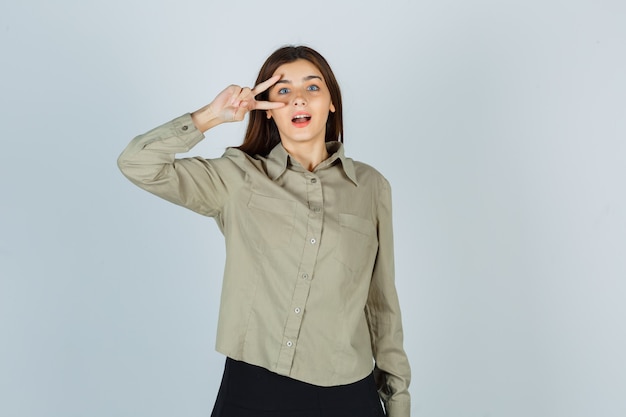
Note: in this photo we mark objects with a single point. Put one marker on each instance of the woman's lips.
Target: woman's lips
(301, 119)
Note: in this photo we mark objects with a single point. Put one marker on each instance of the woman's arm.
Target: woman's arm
(392, 370)
(149, 160)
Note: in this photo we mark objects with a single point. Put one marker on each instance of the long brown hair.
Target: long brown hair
(262, 134)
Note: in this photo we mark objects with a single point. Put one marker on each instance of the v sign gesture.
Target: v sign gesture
(232, 104)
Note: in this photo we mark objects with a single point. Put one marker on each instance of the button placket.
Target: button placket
(311, 232)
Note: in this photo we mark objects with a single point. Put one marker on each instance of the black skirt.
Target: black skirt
(252, 391)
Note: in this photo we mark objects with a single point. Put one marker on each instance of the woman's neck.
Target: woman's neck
(308, 154)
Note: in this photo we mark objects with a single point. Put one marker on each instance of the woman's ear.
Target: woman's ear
(268, 114)
(332, 108)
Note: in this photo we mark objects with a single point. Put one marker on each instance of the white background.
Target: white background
(500, 124)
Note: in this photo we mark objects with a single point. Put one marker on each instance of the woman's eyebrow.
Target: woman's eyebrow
(307, 78)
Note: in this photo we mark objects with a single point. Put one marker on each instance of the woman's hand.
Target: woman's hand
(232, 104)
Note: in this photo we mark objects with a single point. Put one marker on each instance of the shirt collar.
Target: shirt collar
(278, 159)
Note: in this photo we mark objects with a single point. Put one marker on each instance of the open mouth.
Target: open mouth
(301, 119)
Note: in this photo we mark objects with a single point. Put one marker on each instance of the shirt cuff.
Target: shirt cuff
(398, 408)
(184, 129)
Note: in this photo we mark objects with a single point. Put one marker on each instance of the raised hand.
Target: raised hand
(232, 104)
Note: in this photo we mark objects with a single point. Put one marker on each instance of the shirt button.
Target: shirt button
(297, 310)
(185, 127)
(289, 343)
(305, 276)
(316, 209)
(313, 241)
(313, 180)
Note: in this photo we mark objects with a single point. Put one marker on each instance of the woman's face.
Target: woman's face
(303, 89)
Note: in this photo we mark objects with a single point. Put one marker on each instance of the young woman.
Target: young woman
(309, 315)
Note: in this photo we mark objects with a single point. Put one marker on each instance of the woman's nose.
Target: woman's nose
(299, 99)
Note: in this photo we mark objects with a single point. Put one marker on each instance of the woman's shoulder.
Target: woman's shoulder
(369, 175)
(239, 157)
(243, 161)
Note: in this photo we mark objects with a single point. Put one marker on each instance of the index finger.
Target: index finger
(265, 85)
(268, 105)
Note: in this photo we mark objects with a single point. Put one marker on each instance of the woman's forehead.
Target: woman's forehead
(298, 70)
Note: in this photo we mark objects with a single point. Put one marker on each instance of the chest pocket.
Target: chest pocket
(271, 221)
(357, 242)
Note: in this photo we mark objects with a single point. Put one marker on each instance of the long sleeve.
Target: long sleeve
(200, 185)
(392, 370)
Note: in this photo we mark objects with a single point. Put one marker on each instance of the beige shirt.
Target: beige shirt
(308, 288)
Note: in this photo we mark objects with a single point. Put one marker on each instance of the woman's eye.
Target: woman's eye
(313, 88)
(283, 91)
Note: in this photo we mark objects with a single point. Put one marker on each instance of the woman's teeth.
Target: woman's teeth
(301, 118)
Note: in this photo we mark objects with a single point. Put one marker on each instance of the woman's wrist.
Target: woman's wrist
(205, 118)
